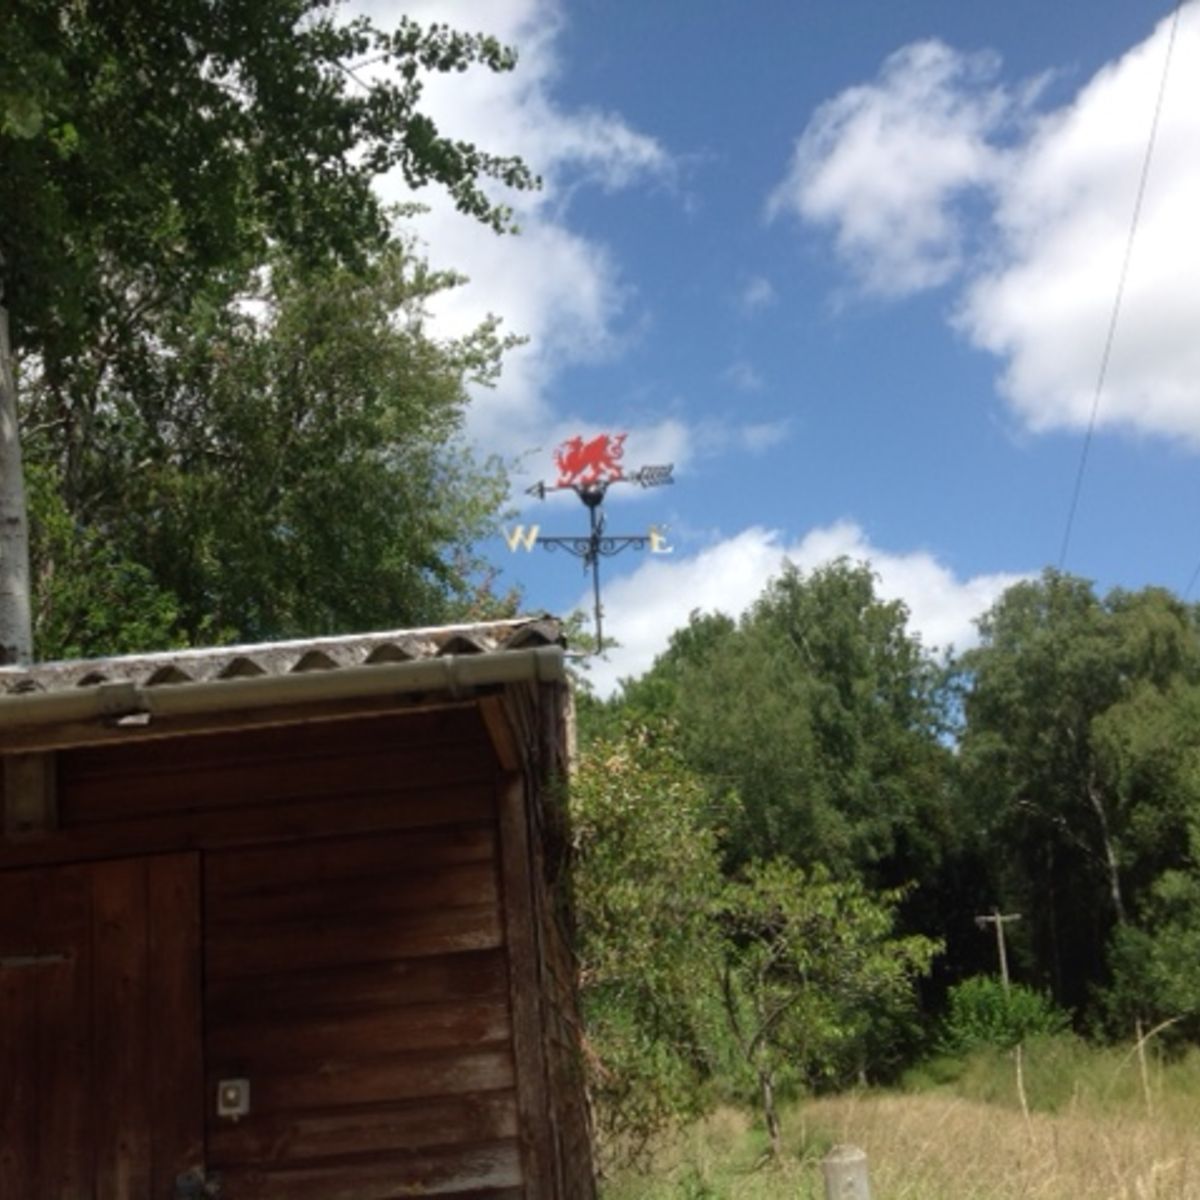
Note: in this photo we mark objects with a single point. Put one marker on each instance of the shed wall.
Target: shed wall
(356, 958)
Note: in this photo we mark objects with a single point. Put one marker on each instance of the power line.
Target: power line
(1116, 308)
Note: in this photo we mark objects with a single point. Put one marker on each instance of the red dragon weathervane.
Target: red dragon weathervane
(589, 468)
(587, 463)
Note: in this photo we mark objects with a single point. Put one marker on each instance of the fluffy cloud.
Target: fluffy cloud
(1063, 220)
(561, 290)
(886, 165)
(643, 608)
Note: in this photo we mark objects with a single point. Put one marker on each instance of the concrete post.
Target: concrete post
(845, 1171)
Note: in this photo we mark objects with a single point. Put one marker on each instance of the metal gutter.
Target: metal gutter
(454, 674)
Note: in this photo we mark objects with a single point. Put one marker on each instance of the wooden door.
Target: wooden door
(101, 1074)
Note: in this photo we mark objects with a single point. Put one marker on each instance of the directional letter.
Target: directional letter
(520, 536)
(658, 541)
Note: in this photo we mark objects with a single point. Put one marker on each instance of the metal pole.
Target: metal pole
(594, 555)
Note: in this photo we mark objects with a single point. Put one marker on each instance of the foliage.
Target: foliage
(146, 149)
(646, 886)
(283, 461)
(813, 977)
(87, 598)
(981, 1011)
(832, 745)
(1081, 729)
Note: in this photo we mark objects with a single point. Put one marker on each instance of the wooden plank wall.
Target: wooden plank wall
(270, 785)
(355, 955)
(99, 1062)
(360, 985)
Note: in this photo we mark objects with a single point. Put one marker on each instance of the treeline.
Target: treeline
(787, 829)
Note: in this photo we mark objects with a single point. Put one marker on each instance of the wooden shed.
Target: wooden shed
(290, 922)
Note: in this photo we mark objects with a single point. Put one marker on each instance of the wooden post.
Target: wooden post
(995, 917)
(845, 1171)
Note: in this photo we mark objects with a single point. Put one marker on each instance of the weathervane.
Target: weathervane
(589, 469)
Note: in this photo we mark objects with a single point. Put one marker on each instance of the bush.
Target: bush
(982, 1013)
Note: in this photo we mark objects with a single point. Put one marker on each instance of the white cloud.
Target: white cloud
(560, 289)
(643, 608)
(884, 164)
(758, 293)
(1063, 218)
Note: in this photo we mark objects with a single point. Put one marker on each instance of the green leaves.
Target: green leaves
(647, 886)
(981, 1011)
(814, 974)
(165, 145)
(282, 460)
(1079, 750)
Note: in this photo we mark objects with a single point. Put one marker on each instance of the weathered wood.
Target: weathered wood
(63, 1034)
(255, 825)
(87, 799)
(448, 727)
(254, 1048)
(289, 1137)
(263, 869)
(379, 1077)
(525, 977)
(502, 732)
(479, 1172)
(267, 947)
(476, 974)
(120, 1029)
(377, 935)
(175, 1064)
(177, 731)
(373, 894)
(18, 1009)
(30, 796)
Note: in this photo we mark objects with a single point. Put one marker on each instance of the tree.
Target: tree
(832, 742)
(88, 598)
(1070, 758)
(812, 978)
(647, 889)
(147, 150)
(282, 463)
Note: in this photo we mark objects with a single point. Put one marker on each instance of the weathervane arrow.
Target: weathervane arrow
(589, 469)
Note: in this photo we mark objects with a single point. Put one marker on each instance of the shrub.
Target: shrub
(982, 1013)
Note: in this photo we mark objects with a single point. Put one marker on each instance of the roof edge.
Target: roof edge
(452, 674)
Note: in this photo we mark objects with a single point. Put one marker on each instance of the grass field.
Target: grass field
(1093, 1132)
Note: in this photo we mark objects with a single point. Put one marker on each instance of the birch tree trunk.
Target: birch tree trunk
(16, 635)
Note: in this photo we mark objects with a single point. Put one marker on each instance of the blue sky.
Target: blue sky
(850, 266)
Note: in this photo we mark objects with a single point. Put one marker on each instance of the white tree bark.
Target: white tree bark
(16, 634)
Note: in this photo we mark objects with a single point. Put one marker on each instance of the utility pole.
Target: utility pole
(999, 919)
(16, 635)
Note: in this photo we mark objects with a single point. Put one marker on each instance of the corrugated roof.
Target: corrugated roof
(284, 658)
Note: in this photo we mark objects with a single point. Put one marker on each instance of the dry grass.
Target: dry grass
(1090, 1136)
(924, 1147)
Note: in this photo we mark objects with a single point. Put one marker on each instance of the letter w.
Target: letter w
(520, 536)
